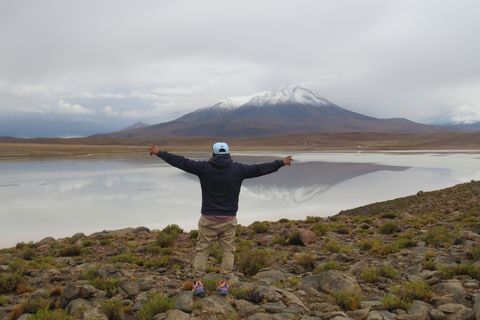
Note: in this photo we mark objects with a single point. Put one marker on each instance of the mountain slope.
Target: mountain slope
(291, 110)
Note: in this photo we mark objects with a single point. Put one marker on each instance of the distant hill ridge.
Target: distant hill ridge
(290, 110)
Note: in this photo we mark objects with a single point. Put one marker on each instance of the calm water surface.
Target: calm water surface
(59, 198)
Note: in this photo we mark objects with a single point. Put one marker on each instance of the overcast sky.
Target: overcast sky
(73, 68)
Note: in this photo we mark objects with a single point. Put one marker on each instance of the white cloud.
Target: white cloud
(24, 91)
(110, 112)
(61, 107)
(466, 114)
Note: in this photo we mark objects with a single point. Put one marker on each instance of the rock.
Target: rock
(216, 304)
(455, 311)
(307, 237)
(265, 241)
(270, 276)
(437, 314)
(331, 281)
(438, 301)
(185, 301)
(419, 310)
(172, 315)
(453, 288)
(359, 314)
(476, 304)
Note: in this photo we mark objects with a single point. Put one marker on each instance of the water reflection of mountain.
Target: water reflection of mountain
(304, 181)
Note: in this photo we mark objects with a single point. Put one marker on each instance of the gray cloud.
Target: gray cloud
(152, 61)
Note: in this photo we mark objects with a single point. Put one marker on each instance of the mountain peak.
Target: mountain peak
(285, 95)
(289, 95)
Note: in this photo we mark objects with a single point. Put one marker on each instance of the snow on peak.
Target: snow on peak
(293, 94)
(225, 104)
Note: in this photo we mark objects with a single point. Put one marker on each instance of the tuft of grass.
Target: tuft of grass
(112, 309)
(331, 265)
(347, 300)
(156, 303)
(404, 296)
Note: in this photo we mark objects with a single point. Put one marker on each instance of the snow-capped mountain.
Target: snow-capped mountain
(290, 110)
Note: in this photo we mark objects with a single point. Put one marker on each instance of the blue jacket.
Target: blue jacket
(220, 179)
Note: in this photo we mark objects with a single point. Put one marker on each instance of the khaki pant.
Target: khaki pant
(207, 232)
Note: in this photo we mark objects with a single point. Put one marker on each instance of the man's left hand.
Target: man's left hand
(287, 160)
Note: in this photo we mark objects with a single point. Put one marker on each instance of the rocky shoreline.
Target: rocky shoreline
(412, 258)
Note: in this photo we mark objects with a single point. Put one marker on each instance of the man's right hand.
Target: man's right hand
(153, 150)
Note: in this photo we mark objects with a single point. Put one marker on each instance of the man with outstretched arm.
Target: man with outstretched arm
(220, 181)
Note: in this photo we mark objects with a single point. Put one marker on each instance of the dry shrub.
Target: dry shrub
(306, 260)
(251, 261)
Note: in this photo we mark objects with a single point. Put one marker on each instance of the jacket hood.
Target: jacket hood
(221, 161)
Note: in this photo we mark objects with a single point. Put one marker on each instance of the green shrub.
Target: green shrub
(392, 303)
(406, 240)
(251, 261)
(128, 258)
(4, 300)
(112, 309)
(387, 272)
(369, 275)
(331, 265)
(389, 215)
(173, 229)
(278, 239)
(50, 315)
(9, 283)
(166, 240)
(70, 251)
(193, 234)
(88, 242)
(260, 227)
(28, 253)
(238, 294)
(387, 228)
(294, 239)
(312, 219)
(105, 242)
(404, 296)
(107, 285)
(347, 300)
(464, 269)
(341, 229)
(438, 235)
(474, 254)
(429, 264)
(161, 262)
(332, 245)
(319, 229)
(156, 303)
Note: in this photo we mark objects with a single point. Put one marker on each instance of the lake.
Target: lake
(60, 197)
